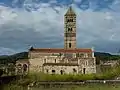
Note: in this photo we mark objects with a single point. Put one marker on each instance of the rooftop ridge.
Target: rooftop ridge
(63, 48)
(57, 50)
(70, 11)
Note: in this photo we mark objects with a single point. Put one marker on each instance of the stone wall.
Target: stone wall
(88, 65)
(36, 64)
(85, 62)
(60, 69)
(22, 66)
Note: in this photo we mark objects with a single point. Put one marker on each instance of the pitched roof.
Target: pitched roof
(70, 11)
(58, 50)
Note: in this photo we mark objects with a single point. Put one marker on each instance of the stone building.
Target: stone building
(22, 66)
(67, 60)
(60, 61)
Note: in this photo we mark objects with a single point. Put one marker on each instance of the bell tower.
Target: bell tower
(70, 29)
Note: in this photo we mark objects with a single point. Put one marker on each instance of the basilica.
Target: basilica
(67, 60)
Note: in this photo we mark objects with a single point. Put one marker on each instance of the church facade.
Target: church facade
(67, 60)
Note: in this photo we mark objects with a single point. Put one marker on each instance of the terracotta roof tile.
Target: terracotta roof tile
(58, 50)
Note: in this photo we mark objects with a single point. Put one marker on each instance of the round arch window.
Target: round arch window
(24, 67)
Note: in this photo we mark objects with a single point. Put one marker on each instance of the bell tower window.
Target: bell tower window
(69, 29)
(55, 60)
(69, 45)
(70, 20)
(44, 60)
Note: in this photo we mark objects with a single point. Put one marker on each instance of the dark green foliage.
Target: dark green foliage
(13, 58)
(105, 57)
(24, 82)
(102, 54)
(1, 72)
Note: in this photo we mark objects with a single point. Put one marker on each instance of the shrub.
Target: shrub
(24, 82)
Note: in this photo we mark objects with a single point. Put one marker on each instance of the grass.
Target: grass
(70, 87)
(33, 76)
(47, 77)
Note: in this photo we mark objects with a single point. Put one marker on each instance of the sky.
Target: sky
(40, 23)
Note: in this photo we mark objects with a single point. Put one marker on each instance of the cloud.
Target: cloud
(6, 51)
(44, 28)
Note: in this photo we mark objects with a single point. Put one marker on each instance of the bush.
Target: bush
(24, 82)
(65, 77)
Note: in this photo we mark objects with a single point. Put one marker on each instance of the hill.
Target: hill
(105, 56)
(4, 59)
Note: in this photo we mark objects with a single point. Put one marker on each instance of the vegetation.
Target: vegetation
(110, 74)
(68, 87)
(1, 72)
(36, 77)
(105, 57)
(5, 59)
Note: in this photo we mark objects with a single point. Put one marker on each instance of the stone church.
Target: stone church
(67, 60)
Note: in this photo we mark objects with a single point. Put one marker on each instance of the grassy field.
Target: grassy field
(85, 87)
(82, 87)
(21, 84)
